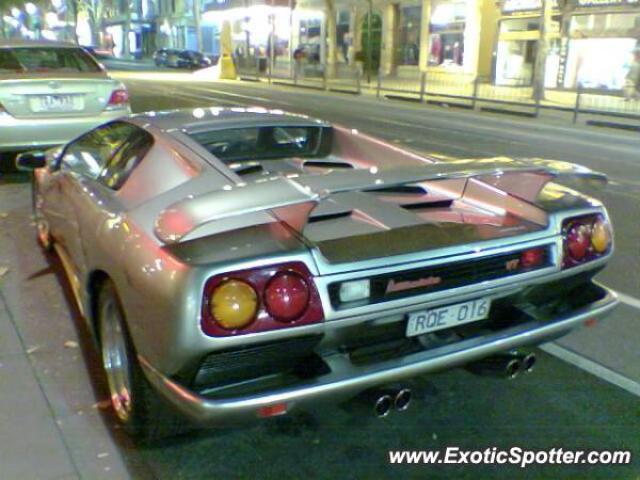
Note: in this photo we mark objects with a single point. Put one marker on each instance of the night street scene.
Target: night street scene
(359, 239)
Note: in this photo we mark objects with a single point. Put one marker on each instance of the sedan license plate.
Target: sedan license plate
(446, 317)
(56, 103)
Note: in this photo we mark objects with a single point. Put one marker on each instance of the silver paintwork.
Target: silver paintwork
(347, 379)
(126, 237)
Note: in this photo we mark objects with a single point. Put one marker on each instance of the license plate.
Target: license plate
(56, 103)
(446, 317)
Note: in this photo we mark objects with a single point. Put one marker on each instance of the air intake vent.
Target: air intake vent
(402, 189)
(327, 164)
(425, 205)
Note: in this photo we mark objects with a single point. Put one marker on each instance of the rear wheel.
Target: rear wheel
(136, 405)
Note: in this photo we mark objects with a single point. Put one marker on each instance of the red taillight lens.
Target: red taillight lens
(119, 97)
(585, 238)
(578, 240)
(532, 257)
(286, 296)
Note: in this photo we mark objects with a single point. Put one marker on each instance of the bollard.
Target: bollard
(474, 97)
(358, 86)
(576, 108)
(379, 83)
(423, 83)
(324, 78)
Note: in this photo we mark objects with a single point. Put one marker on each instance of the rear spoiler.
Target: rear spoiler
(291, 199)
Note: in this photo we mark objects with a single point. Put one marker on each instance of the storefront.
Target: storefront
(518, 41)
(601, 37)
(257, 29)
(447, 27)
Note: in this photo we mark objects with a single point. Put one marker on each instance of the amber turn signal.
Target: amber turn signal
(600, 236)
(234, 304)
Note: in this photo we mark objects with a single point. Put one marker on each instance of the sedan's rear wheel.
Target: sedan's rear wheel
(136, 405)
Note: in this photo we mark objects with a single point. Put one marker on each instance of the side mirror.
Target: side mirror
(29, 161)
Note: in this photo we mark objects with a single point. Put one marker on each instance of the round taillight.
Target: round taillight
(532, 257)
(600, 236)
(234, 304)
(286, 296)
(578, 240)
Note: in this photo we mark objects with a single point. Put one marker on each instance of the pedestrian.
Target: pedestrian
(298, 58)
(632, 80)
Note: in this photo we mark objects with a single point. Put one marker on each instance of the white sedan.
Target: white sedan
(52, 92)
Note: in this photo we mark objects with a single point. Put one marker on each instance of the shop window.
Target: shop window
(598, 63)
(447, 34)
(446, 49)
(520, 25)
(409, 36)
(515, 61)
(344, 37)
(605, 25)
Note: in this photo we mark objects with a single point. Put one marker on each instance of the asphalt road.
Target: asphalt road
(559, 405)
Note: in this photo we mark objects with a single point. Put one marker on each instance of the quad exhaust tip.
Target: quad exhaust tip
(402, 399)
(384, 400)
(383, 405)
(528, 362)
(506, 365)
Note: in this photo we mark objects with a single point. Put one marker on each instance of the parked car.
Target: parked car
(243, 263)
(51, 93)
(181, 59)
(193, 60)
(166, 57)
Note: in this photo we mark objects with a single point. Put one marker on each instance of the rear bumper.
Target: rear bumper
(46, 132)
(347, 379)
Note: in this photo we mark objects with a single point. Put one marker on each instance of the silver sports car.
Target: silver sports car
(242, 263)
(52, 92)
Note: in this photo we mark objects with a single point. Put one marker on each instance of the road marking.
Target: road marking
(629, 300)
(592, 367)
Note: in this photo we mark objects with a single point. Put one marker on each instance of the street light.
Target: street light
(30, 8)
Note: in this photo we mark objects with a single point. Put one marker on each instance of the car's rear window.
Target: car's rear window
(46, 59)
(263, 143)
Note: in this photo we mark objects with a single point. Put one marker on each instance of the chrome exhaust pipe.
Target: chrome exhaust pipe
(402, 399)
(503, 365)
(527, 361)
(383, 405)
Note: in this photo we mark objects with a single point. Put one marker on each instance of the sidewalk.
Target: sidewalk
(53, 417)
(457, 86)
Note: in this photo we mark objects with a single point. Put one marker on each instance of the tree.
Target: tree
(539, 69)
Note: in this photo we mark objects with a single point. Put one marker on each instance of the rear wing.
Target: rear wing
(291, 199)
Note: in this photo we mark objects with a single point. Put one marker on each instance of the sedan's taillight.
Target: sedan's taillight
(585, 238)
(119, 98)
(260, 299)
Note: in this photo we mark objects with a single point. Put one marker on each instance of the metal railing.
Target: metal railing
(455, 89)
(305, 74)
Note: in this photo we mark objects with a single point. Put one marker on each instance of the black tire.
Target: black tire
(139, 409)
(8, 163)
